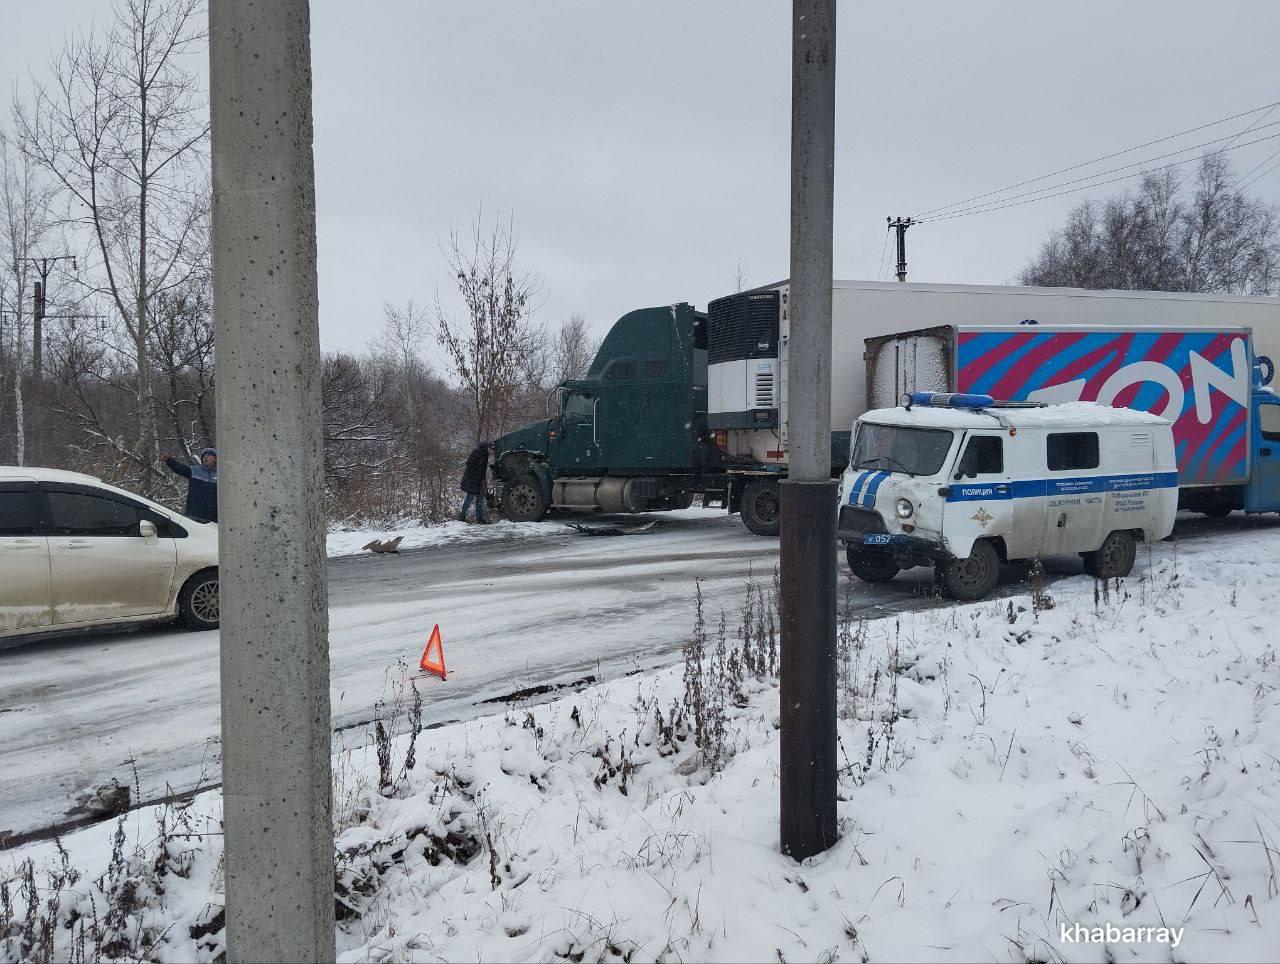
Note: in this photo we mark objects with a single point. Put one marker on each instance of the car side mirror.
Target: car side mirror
(147, 529)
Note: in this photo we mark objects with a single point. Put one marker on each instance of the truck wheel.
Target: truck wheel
(522, 499)
(1115, 557)
(198, 601)
(870, 565)
(972, 578)
(762, 507)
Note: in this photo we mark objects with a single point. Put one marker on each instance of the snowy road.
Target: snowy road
(515, 614)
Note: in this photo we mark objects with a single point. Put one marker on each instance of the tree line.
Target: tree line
(105, 195)
(105, 198)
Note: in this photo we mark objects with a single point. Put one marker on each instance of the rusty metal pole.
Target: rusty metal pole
(276, 741)
(808, 525)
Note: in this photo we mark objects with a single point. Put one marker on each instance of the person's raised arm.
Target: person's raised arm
(178, 468)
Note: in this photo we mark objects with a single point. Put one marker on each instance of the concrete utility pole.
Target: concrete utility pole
(808, 523)
(275, 651)
(900, 225)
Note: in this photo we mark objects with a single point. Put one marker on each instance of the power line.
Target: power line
(1244, 180)
(982, 209)
(1114, 170)
(1105, 157)
(883, 251)
(1259, 177)
(1183, 180)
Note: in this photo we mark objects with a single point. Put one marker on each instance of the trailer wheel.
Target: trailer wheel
(870, 565)
(972, 578)
(522, 499)
(1216, 510)
(762, 507)
(1114, 558)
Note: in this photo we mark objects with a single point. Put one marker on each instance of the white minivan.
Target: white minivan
(964, 483)
(77, 552)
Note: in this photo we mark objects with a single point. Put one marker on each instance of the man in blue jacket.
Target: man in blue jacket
(202, 484)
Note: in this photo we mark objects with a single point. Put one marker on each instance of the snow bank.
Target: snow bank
(350, 542)
(344, 541)
(1101, 756)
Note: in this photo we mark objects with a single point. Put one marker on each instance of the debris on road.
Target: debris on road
(611, 530)
(384, 545)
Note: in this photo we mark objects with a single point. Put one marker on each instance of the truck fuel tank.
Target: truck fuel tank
(605, 494)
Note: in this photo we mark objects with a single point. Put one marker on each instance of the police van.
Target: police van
(964, 483)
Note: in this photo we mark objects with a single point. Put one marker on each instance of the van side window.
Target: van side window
(1269, 422)
(655, 369)
(1072, 450)
(77, 514)
(984, 455)
(18, 516)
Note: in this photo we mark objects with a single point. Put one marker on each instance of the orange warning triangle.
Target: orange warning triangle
(434, 664)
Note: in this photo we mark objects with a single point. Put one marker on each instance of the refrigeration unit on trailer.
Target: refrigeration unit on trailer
(1208, 381)
(748, 334)
(965, 483)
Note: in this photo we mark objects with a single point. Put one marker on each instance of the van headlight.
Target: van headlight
(905, 509)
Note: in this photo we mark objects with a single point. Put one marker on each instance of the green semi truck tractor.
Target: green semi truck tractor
(629, 436)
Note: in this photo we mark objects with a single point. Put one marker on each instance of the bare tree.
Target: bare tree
(122, 130)
(561, 355)
(490, 347)
(1214, 239)
(24, 222)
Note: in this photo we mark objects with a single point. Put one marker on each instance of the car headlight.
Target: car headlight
(905, 508)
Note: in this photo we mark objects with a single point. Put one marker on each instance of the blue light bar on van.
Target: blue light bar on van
(948, 400)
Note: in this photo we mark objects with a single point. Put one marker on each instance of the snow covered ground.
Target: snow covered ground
(1107, 757)
(349, 541)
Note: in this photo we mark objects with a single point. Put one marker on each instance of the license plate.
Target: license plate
(876, 539)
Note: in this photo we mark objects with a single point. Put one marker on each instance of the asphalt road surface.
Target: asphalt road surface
(142, 706)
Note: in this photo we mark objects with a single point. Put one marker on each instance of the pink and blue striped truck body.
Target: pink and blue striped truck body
(1206, 381)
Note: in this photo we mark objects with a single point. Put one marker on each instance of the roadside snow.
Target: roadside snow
(350, 542)
(1094, 756)
(343, 541)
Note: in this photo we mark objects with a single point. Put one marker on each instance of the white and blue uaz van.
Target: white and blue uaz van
(965, 483)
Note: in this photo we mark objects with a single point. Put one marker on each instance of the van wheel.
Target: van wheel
(198, 601)
(972, 578)
(522, 499)
(1115, 557)
(870, 565)
(762, 507)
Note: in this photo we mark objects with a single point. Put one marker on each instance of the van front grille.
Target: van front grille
(855, 519)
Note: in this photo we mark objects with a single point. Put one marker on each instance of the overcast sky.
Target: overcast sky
(642, 147)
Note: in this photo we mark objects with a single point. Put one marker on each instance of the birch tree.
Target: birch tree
(1199, 233)
(122, 129)
(24, 222)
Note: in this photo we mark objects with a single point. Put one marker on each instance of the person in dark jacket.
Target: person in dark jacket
(202, 484)
(473, 479)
